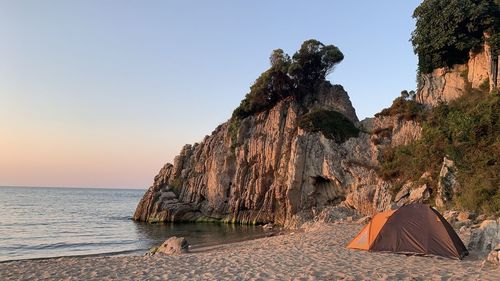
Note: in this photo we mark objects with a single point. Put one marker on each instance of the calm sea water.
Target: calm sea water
(54, 222)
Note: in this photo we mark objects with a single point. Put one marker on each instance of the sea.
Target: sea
(44, 222)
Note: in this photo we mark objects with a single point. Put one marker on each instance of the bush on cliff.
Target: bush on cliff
(466, 130)
(331, 124)
(289, 76)
(446, 30)
(405, 108)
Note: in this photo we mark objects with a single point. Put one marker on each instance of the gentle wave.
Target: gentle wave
(56, 222)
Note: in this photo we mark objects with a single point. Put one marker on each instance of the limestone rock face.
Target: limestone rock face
(447, 182)
(269, 170)
(486, 237)
(446, 84)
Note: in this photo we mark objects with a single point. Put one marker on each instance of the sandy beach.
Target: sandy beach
(319, 254)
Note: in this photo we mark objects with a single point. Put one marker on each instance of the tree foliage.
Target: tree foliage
(447, 30)
(289, 76)
(313, 62)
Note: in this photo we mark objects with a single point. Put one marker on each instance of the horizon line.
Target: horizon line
(72, 187)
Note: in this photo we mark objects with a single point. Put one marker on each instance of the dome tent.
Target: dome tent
(411, 229)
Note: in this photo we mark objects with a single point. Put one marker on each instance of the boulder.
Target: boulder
(173, 246)
(494, 256)
(403, 192)
(481, 217)
(447, 183)
(409, 195)
(419, 194)
(450, 216)
(463, 216)
(486, 237)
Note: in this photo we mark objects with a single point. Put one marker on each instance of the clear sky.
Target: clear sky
(102, 93)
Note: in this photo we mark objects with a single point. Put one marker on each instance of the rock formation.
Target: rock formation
(447, 183)
(446, 84)
(265, 168)
(269, 169)
(486, 236)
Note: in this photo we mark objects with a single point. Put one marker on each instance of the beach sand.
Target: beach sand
(319, 254)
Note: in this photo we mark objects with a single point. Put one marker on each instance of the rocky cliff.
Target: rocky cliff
(269, 169)
(446, 84)
(266, 167)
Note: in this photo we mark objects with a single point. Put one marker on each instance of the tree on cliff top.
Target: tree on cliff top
(313, 62)
(289, 77)
(446, 30)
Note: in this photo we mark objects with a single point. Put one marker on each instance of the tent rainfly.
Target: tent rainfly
(411, 229)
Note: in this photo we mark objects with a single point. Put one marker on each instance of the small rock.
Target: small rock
(462, 216)
(464, 229)
(460, 224)
(364, 220)
(494, 256)
(426, 176)
(349, 219)
(404, 192)
(393, 207)
(450, 216)
(152, 251)
(268, 226)
(481, 218)
(174, 246)
(419, 194)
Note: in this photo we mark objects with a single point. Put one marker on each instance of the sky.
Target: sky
(103, 93)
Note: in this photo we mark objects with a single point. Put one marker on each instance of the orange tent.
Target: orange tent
(367, 235)
(411, 229)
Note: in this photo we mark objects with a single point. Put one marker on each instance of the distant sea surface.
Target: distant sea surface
(54, 222)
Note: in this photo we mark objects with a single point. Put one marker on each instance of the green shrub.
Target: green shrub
(404, 109)
(333, 125)
(466, 130)
(233, 129)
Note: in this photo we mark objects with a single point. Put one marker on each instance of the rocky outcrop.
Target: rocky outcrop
(447, 182)
(485, 238)
(446, 84)
(266, 169)
(410, 194)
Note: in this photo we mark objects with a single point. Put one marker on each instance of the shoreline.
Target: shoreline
(319, 253)
(143, 252)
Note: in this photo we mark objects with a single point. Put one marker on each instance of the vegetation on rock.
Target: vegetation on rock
(467, 130)
(330, 123)
(447, 30)
(289, 76)
(405, 108)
